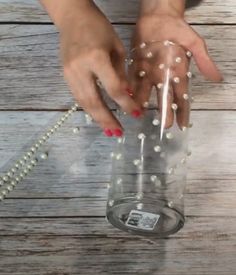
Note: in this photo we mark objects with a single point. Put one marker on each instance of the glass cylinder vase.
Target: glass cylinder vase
(146, 192)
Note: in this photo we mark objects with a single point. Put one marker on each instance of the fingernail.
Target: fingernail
(108, 132)
(118, 132)
(129, 91)
(136, 113)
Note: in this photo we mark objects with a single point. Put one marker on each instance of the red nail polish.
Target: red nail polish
(108, 132)
(136, 113)
(129, 91)
(118, 132)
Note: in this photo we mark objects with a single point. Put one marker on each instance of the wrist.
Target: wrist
(167, 7)
(63, 11)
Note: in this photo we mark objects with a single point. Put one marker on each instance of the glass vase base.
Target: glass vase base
(144, 217)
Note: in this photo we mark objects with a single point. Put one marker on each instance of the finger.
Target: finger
(165, 100)
(181, 102)
(115, 88)
(202, 58)
(86, 93)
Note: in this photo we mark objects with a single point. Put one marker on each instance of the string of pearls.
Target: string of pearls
(30, 159)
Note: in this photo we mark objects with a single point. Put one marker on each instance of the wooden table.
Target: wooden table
(53, 222)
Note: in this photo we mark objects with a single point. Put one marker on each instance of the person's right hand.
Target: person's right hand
(91, 49)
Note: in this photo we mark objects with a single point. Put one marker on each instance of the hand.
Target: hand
(90, 49)
(163, 20)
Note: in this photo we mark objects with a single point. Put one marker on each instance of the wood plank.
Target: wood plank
(32, 77)
(209, 12)
(86, 246)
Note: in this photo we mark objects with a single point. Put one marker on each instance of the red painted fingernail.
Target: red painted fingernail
(136, 113)
(129, 91)
(108, 132)
(118, 132)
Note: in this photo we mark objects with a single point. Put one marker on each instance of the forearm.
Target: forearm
(60, 11)
(171, 7)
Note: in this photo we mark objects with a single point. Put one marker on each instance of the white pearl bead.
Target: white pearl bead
(40, 141)
(188, 53)
(33, 149)
(108, 185)
(157, 148)
(111, 202)
(136, 161)
(185, 96)
(120, 140)
(149, 55)
(119, 181)
(5, 178)
(155, 122)
(26, 171)
(189, 74)
(59, 123)
(174, 106)
(9, 188)
(29, 166)
(17, 166)
(167, 43)
(44, 156)
(112, 154)
(159, 85)
(141, 136)
(170, 204)
(13, 183)
(140, 206)
(9, 174)
(153, 178)
(22, 162)
(4, 192)
(76, 130)
(45, 137)
(17, 179)
(52, 130)
(146, 104)
(25, 157)
(118, 156)
(142, 73)
(183, 160)
(76, 105)
(142, 45)
(56, 127)
(161, 66)
(170, 170)
(139, 196)
(130, 61)
(33, 162)
(37, 145)
(74, 108)
(70, 112)
(169, 135)
(178, 59)
(21, 175)
(29, 154)
(184, 129)
(176, 79)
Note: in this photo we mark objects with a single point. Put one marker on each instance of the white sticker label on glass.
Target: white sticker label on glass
(142, 220)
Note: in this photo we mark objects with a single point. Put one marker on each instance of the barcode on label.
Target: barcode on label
(142, 220)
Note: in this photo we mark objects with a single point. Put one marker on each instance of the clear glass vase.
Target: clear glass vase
(146, 193)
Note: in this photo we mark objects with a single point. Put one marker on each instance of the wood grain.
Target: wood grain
(81, 246)
(32, 77)
(209, 12)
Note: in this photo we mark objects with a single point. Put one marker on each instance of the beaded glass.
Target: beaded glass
(145, 195)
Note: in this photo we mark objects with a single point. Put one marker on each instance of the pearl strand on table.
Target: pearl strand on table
(25, 164)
